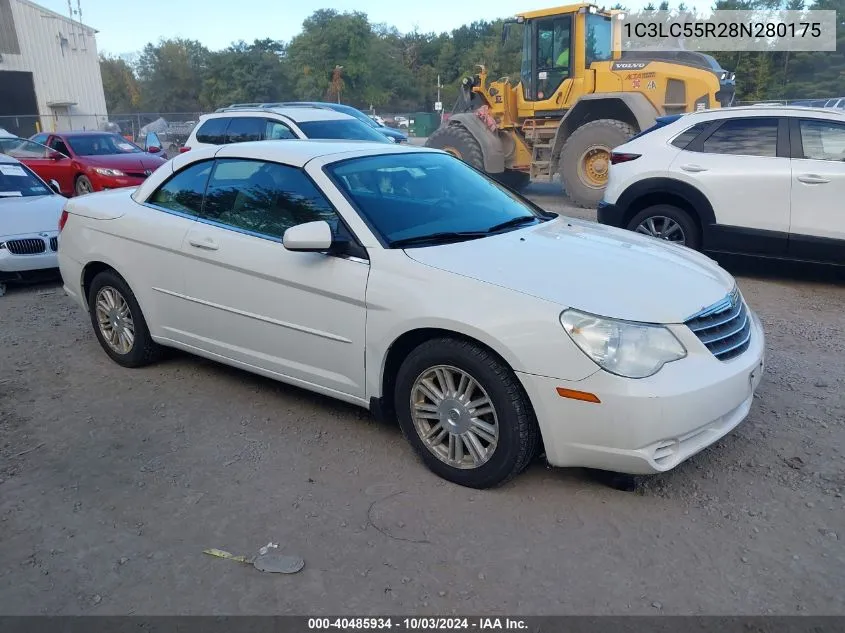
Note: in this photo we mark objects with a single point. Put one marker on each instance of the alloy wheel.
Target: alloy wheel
(663, 228)
(454, 417)
(115, 320)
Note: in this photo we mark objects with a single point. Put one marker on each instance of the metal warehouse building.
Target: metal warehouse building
(49, 71)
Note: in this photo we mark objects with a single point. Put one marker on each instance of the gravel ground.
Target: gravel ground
(113, 481)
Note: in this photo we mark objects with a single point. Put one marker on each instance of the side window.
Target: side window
(40, 138)
(274, 130)
(599, 38)
(264, 198)
(59, 145)
(213, 131)
(822, 140)
(184, 191)
(243, 129)
(688, 136)
(553, 49)
(744, 137)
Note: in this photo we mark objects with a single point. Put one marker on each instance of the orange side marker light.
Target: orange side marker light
(584, 396)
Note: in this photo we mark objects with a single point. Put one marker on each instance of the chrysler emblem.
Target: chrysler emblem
(148, 172)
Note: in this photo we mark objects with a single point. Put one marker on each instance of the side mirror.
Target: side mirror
(311, 237)
(55, 187)
(152, 149)
(54, 155)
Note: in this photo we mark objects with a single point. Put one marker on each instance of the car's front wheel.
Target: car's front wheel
(667, 222)
(83, 186)
(465, 413)
(119, 323)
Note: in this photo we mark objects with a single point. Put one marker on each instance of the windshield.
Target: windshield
(419, 195)
(101, 145)
(22, 148)
(348, 129)
(17, 181)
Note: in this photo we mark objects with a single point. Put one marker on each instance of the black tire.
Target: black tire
(457, 140)
(144, 350)
(518, 430)
(516, 180)
(608, 133)
(691, 232)
(83, 186)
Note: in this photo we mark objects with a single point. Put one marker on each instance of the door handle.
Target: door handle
(812, 179)
(693, 168)
(206, 244)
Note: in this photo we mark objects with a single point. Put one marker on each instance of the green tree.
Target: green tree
(119, 85)
(171, 75)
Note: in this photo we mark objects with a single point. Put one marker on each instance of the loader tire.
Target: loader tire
(585, 159)
(456, 140)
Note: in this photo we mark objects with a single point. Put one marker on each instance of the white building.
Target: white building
(49, 71)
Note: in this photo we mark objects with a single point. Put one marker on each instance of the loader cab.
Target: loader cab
(558, 44)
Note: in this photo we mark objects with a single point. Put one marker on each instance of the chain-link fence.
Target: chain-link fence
(172, 128)
(827, 102)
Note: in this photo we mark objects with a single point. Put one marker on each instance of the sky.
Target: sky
(125, 28)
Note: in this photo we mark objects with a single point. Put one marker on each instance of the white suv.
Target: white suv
(763, 181)
(240, 124)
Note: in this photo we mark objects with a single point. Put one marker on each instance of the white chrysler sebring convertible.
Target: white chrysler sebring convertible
(402, 280)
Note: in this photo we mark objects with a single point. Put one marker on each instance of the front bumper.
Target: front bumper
(649, 425)
(104, 183)
(610, 214)
(15, 267)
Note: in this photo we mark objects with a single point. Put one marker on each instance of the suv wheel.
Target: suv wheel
(667, 222)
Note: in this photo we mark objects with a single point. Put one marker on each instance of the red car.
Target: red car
(83, 162)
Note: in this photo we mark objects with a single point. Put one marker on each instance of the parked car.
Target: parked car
(400, 279)
(244, 123)
(85, 162)
(393, 134)
(763, 181)
(29, 216)
(5, 133)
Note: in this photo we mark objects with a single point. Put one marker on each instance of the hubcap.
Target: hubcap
(663, 228)
(115, 320)
(454, 417)
(82, 186)
(593, 166)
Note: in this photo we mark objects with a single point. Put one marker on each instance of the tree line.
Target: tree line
(344, 56)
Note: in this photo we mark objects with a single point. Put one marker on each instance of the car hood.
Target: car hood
(390, 132)
(131, 162)
(36, 214)
(591, 267)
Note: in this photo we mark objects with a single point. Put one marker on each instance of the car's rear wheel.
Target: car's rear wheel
(83, 186)
(465, 413)
(667, 222)
(118, 322)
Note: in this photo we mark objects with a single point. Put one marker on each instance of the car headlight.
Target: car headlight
(632, 350)
(105, 171)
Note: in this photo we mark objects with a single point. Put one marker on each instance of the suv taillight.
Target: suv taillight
(618, 157)
(182, 150)
(62, 220)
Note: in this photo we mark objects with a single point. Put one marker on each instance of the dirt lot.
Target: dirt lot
(113, 481)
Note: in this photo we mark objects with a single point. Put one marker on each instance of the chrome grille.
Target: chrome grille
(724, 328)
(136, 174)
(54, 244)
(26, 247)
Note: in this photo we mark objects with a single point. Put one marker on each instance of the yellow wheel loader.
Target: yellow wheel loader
(577, 98)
